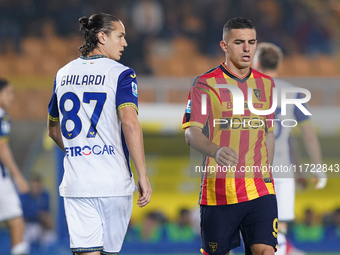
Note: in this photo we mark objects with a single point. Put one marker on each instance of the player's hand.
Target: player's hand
(320, 180)
(226, 156)
(320, 183)
(144, 190)
(21, 184)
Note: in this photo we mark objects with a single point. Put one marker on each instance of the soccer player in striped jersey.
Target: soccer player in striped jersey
(267, 59)
(10, 205)
(241, 197)
(93, 119)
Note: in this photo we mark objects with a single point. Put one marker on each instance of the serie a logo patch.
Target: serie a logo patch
(134, 89)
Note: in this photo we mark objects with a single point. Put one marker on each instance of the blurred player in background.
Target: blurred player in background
(93, 119)
(37, 215)
(10, 206)
(267, 60)
(231, 202)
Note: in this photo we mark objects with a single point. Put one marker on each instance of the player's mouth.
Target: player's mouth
(121, 52)
(246, 58)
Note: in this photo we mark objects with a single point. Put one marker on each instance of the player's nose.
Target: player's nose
(124, 43)
(246, 47)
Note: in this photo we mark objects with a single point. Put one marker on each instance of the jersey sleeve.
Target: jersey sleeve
(5, 127)
(270, 118)
(53, 113)
(299, 115)
(127, 93)
(193, 112)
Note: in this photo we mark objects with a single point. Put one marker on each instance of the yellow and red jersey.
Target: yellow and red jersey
(245, 133)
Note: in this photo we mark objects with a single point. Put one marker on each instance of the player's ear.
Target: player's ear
(223, 46)
(101, 37)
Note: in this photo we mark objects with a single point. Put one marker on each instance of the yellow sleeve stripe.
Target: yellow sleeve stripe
(192, 123)
(127, 104)
(304, 122)
(186, 125)
(270, 129)
(4, 139)
(53, 118)
(197, 124)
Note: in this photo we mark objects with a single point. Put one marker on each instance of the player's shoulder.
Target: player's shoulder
(213, 72)
(118, 69)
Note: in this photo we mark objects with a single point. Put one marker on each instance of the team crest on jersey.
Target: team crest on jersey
(134, 89)
(213, 246)
(188, 108)
(257, 93)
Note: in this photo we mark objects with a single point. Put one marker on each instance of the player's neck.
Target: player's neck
(95, 52)
(241, 72)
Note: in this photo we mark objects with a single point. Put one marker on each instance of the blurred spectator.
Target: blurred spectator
(151, 230)
(313, 35)
(36, 208)
(147, 17)
(332, 231)
(181, 231)
(309, 230)
(10, 25)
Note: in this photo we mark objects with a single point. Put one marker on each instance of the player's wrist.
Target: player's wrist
(217, 152)
(143, 175)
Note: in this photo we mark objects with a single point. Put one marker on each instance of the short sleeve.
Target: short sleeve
(193, 115)
(53, 112)
(299, 115)
(5, 127)
(127, 93)
(270, 123)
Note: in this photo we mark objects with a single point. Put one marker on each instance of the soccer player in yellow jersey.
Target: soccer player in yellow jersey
(240, 198)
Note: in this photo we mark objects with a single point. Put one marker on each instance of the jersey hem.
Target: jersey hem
(98, 195)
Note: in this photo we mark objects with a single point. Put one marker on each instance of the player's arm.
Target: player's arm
(270, 143)
(224, 156)
(295, 155)
(55, 133)
(8, 160)
(134, 140)
(311, 142)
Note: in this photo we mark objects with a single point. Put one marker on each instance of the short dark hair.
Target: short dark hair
(237, 23)
(92, 26)
(269, 56)
(3, 84)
